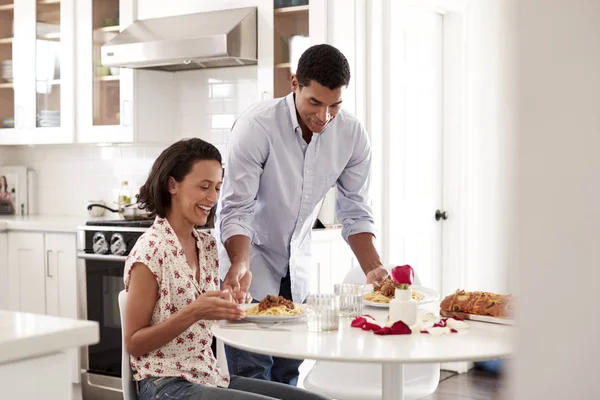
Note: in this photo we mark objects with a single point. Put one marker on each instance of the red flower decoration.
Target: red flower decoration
(403, 275)
(398, 328)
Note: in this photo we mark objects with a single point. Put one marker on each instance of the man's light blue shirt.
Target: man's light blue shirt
(274, 185)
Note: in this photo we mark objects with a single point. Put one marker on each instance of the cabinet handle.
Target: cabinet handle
(48, 264)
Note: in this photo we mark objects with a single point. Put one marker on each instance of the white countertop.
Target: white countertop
(43, 223)
(69, 223)
(24, 335)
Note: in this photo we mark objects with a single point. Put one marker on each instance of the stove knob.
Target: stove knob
(117, 244)
(99, 243)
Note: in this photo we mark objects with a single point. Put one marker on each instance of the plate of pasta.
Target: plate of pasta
(273, 309)
(380, 295)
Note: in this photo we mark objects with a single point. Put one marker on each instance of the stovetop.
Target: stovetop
(140, 223)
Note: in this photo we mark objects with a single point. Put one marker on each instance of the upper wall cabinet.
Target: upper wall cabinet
(117, 104)
(40, 102)
(297, 24)
(291, 38)
(37, 71)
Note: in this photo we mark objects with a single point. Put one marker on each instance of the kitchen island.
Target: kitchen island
(34, 358)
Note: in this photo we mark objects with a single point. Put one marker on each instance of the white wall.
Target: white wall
(557, 195)
(68, 176)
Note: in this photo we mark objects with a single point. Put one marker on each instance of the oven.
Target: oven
(103, 246)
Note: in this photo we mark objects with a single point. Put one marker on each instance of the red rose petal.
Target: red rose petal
(400, 328)
(441, 324)
(358, 322)
(424, 332)
(453, 330)
(368, 326)
(383, 331)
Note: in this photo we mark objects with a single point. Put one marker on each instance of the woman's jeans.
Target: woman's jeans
(240, 388)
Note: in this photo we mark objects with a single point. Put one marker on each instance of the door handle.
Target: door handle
(440, 215)
(48, 274)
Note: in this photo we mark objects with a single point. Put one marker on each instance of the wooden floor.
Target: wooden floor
(474, 385)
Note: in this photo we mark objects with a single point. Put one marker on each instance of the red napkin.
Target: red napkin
(398, 328)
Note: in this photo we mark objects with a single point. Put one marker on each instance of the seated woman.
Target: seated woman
(171, 277)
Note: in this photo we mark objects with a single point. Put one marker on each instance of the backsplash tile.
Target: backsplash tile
(68, 176)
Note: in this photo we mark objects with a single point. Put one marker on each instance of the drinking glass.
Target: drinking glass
(323, 312)
(351, 301)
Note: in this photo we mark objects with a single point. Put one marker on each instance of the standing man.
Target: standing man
(284, 155)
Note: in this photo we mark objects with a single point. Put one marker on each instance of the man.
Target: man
(284, 155)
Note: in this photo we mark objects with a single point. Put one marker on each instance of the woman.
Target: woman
(171, 277)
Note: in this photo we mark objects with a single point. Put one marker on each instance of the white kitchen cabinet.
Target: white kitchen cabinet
(39, 37)
(332, 259)
(3, 271)
(112, 105)
(117, 105)
(60, 272)
(26, 272)
(42, 277)
(321, 264)
(61, 284)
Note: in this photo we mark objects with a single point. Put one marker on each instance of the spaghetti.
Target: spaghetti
(275, 306)
(378, 297)
(278, 311)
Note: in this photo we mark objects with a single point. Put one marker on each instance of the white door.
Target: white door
(414, 181)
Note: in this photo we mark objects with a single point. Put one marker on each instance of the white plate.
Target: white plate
(429, 296)
(272, 318)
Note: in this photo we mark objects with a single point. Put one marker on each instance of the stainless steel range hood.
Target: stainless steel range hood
(205, 40)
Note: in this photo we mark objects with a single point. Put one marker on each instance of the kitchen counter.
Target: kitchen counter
(24, 335)
(40, 346)
(43, 223)
(66, 223)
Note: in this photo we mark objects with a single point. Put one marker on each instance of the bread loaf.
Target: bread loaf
(479, 303)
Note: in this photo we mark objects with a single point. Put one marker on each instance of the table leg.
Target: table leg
(392, 387)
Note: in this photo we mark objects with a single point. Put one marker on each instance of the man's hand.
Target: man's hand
(377, 275)
(237, 281)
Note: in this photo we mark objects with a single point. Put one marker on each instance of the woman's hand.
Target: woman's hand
(216, 305)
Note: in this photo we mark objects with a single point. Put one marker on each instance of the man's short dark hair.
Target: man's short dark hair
(324, 64)
(176, 161)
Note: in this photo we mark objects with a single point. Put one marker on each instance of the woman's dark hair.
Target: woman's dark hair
(177, 161)
(325, 64)
(3, 183)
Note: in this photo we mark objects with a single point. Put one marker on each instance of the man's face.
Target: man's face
(316, 104)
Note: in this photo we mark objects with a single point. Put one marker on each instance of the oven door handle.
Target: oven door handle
(100, 257)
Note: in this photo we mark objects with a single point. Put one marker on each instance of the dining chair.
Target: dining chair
(356, 381)
(127, 383)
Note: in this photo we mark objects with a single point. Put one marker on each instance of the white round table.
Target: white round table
(482, 341)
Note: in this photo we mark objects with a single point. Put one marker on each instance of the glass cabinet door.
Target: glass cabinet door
(106, 81)
(7, 94)
(291, 40)
(48, 63)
